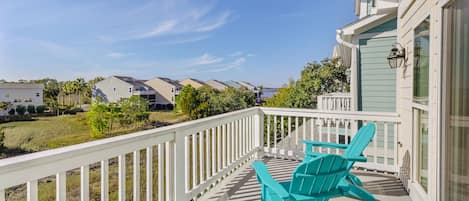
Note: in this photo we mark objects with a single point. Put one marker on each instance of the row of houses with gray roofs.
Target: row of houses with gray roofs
(160, 92)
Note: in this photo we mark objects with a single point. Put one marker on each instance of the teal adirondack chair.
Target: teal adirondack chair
(353, 151)
(318, 179)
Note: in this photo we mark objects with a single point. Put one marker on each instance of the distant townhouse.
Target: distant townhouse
(192, 82)
(233, 84)
(14, 94)
(216, 84)
(248, 86)
(168, 90)
(115, 88)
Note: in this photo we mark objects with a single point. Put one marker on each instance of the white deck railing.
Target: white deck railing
(194, 156)
(335, 102)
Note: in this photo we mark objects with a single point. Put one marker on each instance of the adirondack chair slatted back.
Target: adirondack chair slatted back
(360, 141)
(318, 176)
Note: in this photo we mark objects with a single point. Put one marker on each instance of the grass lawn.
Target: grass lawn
(51, 132)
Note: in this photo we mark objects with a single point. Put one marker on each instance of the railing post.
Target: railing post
(179, 165)
(259, 134)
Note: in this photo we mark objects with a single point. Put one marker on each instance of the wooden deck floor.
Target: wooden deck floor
(243, 186)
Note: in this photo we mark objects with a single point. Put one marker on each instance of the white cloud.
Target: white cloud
(163, 28)
(116, 55)
(205, 59)
(229, 66)
(195, 22)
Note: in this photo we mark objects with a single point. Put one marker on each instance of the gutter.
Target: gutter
(340, 40)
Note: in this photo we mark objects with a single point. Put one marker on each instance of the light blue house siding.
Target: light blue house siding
(376, 81)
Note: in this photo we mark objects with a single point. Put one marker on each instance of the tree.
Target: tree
(134, 110)
(316, 79)
(187, 101)
(80, 88)
(50, 92)
(31, 109)
(281, 98)
(98, 119)
(20, 109)
(206, 101)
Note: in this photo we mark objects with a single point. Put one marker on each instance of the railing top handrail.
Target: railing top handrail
(344, 95)
(111, 142)
(352, 115)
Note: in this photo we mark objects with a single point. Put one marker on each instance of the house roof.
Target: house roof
(232, 83)
(21, 86)
(170, 81)
(138, 84)
(194, 80)
(246, 84)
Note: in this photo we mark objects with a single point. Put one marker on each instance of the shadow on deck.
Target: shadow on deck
(243, 185)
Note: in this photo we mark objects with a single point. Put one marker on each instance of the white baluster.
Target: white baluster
(104, 180)
(136, 183)
(187, 168)
(194, 160)
(149, 173)
(169, 171)
(60, 186)
(85, 183)
(219, 158)
(31, 191)
(208, 154)
(121, 177)
(161, 172)
(268, 134)
(201, 157)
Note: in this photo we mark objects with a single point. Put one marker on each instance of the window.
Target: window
(421, 129)
(38, 94)
(421, 88)
(369, 5)
(114, 89)
(130, 90)
(455, 97)
(421, 62)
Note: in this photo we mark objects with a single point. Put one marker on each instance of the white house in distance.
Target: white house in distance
(115, 88)
(25, 94)
(167, 88)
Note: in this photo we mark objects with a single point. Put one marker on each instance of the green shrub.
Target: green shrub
(40, 109)
(12, 111)
(31, 109)
(20, 109)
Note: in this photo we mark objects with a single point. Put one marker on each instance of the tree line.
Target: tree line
(317, 78)
(207, 101)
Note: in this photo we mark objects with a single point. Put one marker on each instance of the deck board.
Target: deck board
(243, 186)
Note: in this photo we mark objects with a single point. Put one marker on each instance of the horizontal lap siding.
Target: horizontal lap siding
(377, 82)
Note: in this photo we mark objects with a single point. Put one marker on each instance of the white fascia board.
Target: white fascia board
(367, 23)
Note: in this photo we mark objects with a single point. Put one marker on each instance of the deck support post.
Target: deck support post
(179, 166)
(259, 134)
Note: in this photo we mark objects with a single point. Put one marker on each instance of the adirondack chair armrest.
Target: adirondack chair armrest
(357, 159)
(310, 144)
(266, 179)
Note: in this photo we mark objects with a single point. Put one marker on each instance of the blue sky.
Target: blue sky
(262, 41)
